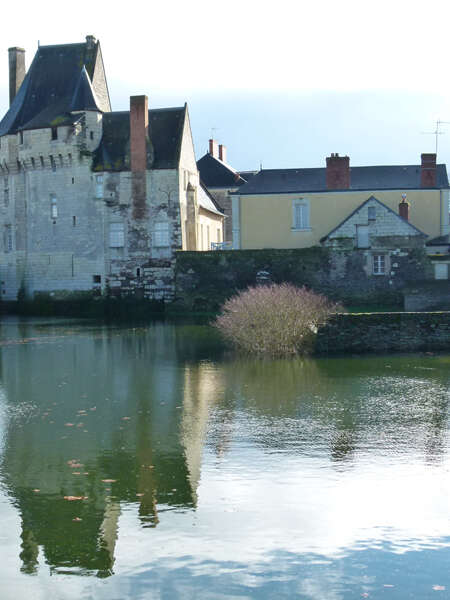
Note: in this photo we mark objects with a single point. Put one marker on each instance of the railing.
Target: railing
(221, 245)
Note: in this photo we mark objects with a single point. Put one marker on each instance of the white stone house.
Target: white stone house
(380, 235)
(93, 200)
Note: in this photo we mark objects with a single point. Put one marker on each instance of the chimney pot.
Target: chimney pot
(90, 42)
(428, 171)
(138, 132)
(403, 208)
(337, 172)
(17, 70)
(213, 148)
(223, 153)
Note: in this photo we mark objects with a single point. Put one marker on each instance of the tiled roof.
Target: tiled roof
(215, 173)
(273, 181)
(58, 81)
(163, 151)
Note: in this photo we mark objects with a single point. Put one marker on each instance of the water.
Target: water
(197, 475)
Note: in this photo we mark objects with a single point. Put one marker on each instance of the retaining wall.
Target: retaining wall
(384, 332)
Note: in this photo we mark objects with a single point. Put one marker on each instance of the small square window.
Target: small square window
(97, 278)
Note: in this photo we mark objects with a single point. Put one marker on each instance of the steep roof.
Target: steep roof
(165, 135)
(415, 230)
(279, 181)
(59, 80)
(216, 173)
(206, 201)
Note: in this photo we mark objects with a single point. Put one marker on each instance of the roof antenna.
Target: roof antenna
(437, 131)
(260, 165)
(213, 129)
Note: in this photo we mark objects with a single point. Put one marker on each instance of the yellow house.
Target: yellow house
(295, 208)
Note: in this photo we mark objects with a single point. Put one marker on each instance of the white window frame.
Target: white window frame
(116, 235)
(53, 207)
(99, 186)
(378, 264)
(300, 215)
(161, 237)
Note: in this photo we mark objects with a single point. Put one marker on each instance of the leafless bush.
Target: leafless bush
(275, 320)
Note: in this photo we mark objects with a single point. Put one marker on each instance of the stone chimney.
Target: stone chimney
(403, 208)
(338, 172)
(90, 42)
(213, 148)
(138, 132)
(223, 153)
(17, 71)
(428, 171)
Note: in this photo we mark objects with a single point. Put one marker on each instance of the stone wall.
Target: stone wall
(384, 332)
(205, 279)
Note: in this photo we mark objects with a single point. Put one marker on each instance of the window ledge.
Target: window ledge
(301, 228)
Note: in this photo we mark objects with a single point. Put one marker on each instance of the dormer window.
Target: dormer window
(54, 133)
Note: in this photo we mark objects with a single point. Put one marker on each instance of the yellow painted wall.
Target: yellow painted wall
(215, 223)
(266, 221)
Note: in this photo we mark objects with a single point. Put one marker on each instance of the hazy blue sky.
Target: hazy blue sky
(283, 83)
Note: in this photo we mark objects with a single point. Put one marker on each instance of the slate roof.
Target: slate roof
(372, 198)
(281, 181)
(215, 173)
(163, 150)
(58, 81)
(207, 202)
(442, 240)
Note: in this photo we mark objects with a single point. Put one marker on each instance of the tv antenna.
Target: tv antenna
(213, 129)
(437, 132)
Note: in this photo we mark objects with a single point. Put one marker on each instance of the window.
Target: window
(379, 264)
(61, 162)
(362, 236)
(54, 207)
(54, 133)
(42, 161)
(91, 135)
(52, 163)
(300, 214)
(371, 213)
(440, 270)
(20, 137)
(99, 186)
(8, 239)
(33, 165)
(69, 156)
(96, 278)
(116, 235)
(161, 234)
(74, 221)
(6, 191)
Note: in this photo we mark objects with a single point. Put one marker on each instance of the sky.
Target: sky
(281, 84)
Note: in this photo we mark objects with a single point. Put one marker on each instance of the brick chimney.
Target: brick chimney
(138, 132)
(428, 171)
(17, 70)
(403, 208)
(213, 148)
(338, 172)
(223, 153)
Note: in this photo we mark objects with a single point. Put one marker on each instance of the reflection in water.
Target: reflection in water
(185, 461)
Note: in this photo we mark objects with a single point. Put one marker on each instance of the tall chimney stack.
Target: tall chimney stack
(338, 172)
(403, 208)
(17, 71)
(223, 153)
(428, 171)
(213, 148)
(138, 132)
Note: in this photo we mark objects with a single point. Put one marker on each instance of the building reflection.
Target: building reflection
(108, 417)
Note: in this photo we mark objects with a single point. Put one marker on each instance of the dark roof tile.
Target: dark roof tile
(215, 173)
(274, 181)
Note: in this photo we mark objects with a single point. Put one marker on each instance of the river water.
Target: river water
(149, 462)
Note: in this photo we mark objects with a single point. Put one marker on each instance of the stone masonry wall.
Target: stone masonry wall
(205, 279)
(384, 332)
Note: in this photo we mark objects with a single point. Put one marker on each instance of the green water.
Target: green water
(200, 475)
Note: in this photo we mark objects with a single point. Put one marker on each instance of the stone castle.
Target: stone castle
(93, 200)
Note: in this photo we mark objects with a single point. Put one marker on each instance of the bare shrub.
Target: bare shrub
(275, 320)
